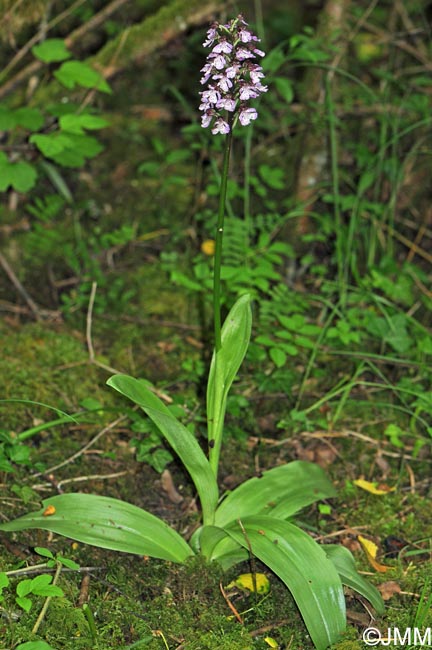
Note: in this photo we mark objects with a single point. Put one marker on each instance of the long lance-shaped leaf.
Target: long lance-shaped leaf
(280, 492)
(305, 569)
(215, 544)
(345, 566)
(224, 366)
(107, 523)
(179, 437)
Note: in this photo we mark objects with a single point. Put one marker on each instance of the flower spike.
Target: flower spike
(232, 75)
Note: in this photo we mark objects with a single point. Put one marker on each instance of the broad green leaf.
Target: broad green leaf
(53, 49)
(74, 73)
(77, 123)
(228, 553)
(35, 645)
(106, 523)
(24, 602)
(52, 144)
(224, 366)
(179, 437)
(21, 176)
(278, 356)
(29, 118)
(4, 580)
(7, 118)
(304, 568)
(345, 566)
(280, 492)
(45, 552)
(209, 537)
(285, 87)
(215, 544)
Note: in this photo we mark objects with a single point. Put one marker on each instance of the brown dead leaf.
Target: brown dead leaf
(389, 589)
(169, 487)
(351, 544)
(166, 346)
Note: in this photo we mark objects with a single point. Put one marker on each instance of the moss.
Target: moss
(45, 365)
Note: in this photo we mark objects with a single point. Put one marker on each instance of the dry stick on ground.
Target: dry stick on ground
(82, 479)
(19, 287)
(229, 603)
(79, 453)
(43, 611)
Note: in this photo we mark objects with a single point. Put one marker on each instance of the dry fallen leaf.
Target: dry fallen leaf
(373, 488)
(370, 548)
(389, 589)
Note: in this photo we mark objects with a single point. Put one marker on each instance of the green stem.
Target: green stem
(219, 239)
(44, 609)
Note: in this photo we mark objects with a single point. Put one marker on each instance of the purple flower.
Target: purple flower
(219, 61)
(242, 53)
(224, 47)
(212, 95)
(224, 83)
(246, 115)
(211, 35)
(220, 126)
(247, 91)
(206, 118)
(246, 36)
(255, 72)
(232, 75)
(232, 71)
(228, 103)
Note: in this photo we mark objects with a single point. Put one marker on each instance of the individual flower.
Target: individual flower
(220, 126)
(246, 115)
(232, 75)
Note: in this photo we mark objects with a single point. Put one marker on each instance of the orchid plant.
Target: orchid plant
(256, 517)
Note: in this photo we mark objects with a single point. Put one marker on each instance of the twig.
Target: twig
(229, 603)
(27, 47)
(251, 558)
(74, 37)
(93, 477)
(43, 611)
(89, 322)
(19, 287)
(43, 568)
(79, 453)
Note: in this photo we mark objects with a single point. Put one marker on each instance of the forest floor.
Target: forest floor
(64, 359)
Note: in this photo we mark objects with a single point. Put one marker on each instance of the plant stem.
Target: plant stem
(219, 239)
(43, 611)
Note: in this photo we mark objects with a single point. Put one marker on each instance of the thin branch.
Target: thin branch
(79, 453)
(74, 37)
(35, 39)
(43, 611)
(18, 286)
(89, 322)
